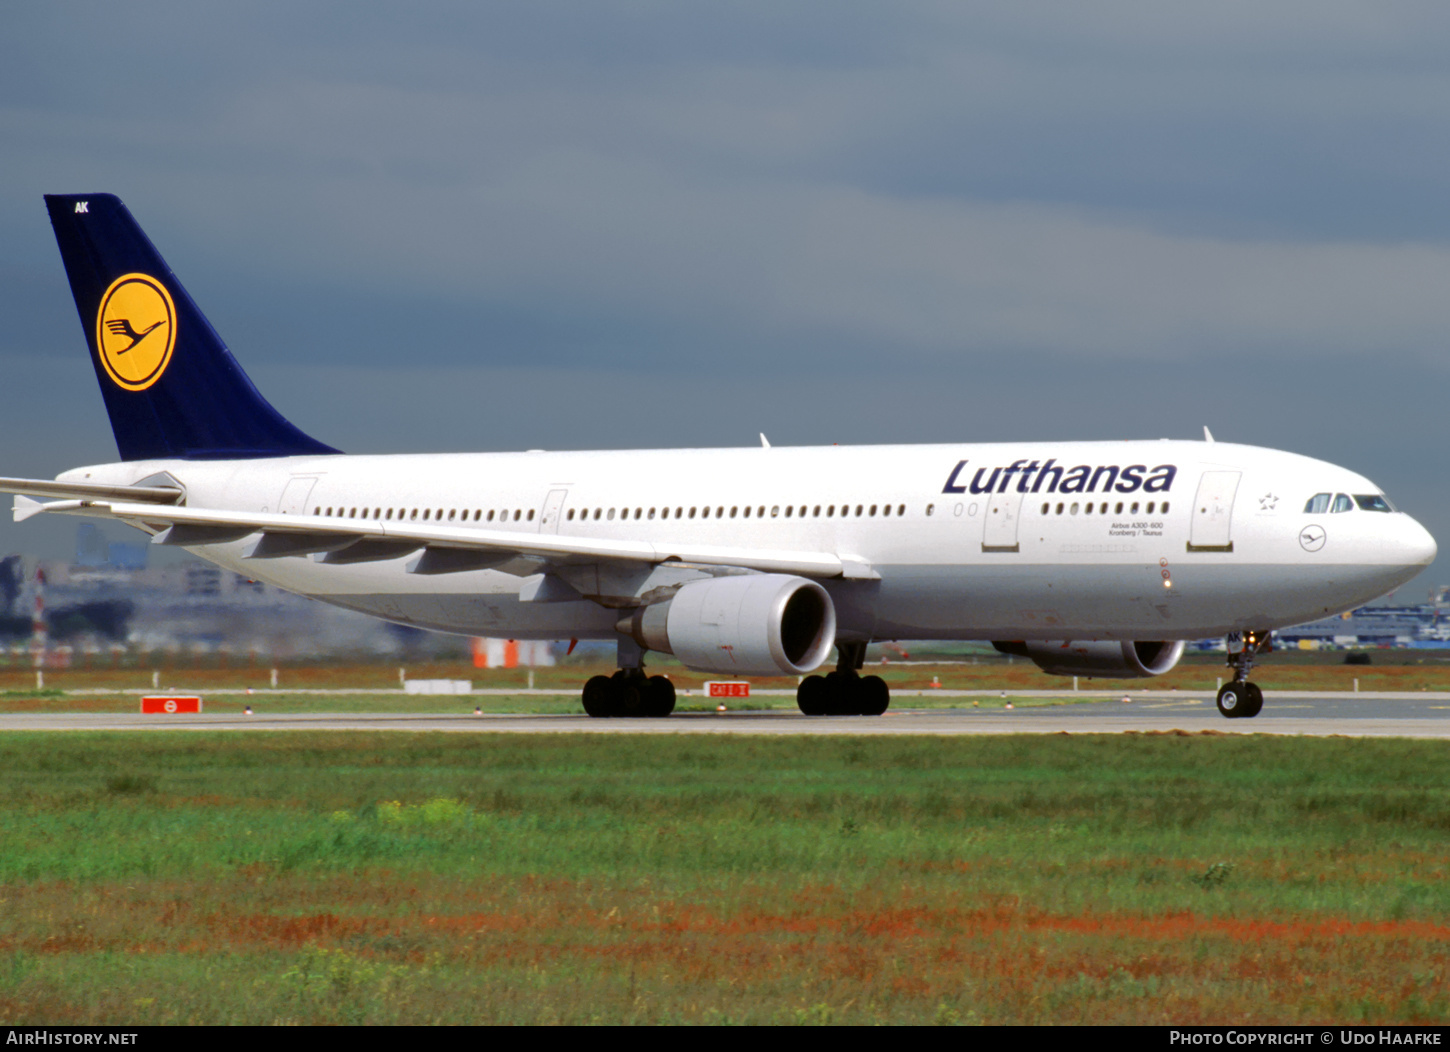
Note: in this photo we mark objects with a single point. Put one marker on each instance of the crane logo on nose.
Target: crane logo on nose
(136, 331)
(1312, 538)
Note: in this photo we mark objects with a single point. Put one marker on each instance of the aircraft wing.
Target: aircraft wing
(445, 549)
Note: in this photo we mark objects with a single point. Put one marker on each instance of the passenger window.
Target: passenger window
(1317, 504)
(775, 511)
(929, 509)
(1341, 503)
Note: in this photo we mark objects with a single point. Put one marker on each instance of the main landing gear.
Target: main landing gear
(844, 692)
(1238, 698)
(629, 692)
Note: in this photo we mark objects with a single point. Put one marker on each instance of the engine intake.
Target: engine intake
(753, 624)
(1108, 659)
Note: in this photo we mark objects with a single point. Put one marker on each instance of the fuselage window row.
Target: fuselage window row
(736, 511)
(1102, 509)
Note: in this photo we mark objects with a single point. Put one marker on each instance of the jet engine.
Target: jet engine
(751, 625)
(1107, 659)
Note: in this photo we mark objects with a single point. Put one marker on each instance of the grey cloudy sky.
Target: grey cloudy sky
(449, 226)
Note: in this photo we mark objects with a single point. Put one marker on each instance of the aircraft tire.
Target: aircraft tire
(628, 694)
(842, 695)
(658, 697)
(598, 696)
(813, 696)
(873, 696)
(1253, 701)
(1232, 702)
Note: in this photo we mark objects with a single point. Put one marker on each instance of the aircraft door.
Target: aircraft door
(999, 530)
(294, 495)
(1213, 512)
(553, 508)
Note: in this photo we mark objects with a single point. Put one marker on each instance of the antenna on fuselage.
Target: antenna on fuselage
(1207, 434)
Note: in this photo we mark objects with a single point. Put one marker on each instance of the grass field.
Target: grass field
(382, 878)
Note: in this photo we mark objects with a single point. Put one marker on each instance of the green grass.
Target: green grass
(386, 878)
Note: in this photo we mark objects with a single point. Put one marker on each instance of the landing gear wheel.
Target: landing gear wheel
(628, 695)
(658, 697)
(873, 696)
(1235, 700)
(841, 693)
(1253, 700)
(813, 696)
(598, 696)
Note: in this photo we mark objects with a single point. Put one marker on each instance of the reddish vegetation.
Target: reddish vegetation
(1005, 963)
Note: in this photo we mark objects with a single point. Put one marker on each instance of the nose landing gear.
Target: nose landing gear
(1238, 698)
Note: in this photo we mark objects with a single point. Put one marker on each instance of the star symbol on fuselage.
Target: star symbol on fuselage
(1268, 502)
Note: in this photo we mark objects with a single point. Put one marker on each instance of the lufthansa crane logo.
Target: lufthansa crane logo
(136, 330)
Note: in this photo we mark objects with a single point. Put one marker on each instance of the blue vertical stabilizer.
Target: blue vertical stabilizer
(171, 386)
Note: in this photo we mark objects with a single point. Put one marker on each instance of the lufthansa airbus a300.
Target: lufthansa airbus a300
(1089, 558)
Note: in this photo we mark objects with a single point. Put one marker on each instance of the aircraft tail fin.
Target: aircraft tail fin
(171, 387)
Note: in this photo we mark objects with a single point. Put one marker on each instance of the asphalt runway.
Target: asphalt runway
(1423, 715)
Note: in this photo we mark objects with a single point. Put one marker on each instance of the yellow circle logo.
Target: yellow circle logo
(136, 330)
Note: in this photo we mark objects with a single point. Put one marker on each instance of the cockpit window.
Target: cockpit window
(1341, 503)
(1317, 504)
(1372, 502)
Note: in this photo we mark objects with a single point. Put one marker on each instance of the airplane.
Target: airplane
(1098, 558)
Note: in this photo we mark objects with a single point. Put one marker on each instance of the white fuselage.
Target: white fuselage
(1113, 540)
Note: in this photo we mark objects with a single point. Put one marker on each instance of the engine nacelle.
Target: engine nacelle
(748, 625)
(1132, 659)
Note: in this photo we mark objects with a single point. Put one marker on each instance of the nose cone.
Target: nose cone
(1413, 545)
